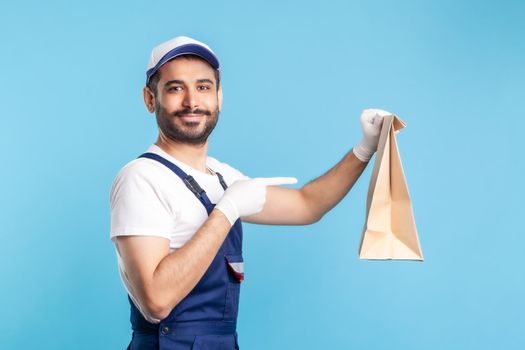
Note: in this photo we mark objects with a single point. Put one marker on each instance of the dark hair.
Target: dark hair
(154, 80)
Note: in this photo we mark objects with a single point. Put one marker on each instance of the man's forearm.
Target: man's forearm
(323, 193)
(179, 272)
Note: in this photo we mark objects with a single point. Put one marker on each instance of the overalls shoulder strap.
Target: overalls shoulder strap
(188, 180)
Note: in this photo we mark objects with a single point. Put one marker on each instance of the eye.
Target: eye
(204, 87)
(175, 88)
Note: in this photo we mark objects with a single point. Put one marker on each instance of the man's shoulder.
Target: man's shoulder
(230, 173)
(212, 161)
(141, 168)
(141, 178)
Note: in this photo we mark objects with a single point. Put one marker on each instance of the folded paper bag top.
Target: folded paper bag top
(390, 229)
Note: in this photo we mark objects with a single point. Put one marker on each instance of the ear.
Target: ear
(219, 97)
(149, 99)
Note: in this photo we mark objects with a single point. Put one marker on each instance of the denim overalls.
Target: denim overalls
(207, 317)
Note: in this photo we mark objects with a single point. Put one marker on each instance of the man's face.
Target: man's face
(187, 102)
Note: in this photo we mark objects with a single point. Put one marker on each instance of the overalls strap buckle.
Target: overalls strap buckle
(193, 186)
(221, 180)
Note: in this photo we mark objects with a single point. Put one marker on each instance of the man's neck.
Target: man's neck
(192, 155)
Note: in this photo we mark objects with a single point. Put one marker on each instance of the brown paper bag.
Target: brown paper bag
(390, 230)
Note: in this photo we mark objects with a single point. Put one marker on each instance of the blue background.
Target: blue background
(296, 77)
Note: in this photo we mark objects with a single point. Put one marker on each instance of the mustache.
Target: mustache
(189, 111)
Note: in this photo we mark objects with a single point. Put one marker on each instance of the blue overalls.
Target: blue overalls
(207, 317)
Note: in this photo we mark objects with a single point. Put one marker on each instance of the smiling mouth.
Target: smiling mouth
(191, 117)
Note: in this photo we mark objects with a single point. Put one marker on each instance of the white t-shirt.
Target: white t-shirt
(148, 199)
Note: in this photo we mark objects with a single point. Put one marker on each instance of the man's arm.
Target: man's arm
(160, 279)
(308, 204)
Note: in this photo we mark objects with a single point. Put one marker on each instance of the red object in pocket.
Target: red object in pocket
(236, 266)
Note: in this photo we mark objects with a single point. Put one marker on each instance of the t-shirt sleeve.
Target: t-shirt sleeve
(137, 206)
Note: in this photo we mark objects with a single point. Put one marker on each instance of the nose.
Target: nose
(190, 100)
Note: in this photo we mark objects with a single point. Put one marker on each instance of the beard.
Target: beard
(189, 133)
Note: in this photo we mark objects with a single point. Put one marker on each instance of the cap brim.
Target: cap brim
(191, 49)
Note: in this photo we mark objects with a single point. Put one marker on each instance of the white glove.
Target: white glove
(371, 122)
(247, 197)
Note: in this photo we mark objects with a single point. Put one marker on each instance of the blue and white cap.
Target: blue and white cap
(180, 45)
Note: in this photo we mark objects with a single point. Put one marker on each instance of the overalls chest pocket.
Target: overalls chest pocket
(235, 266)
